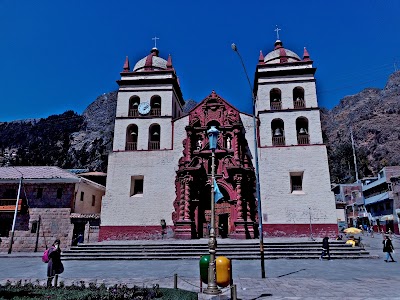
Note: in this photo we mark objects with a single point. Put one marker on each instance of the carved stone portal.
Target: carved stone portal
(234, 173)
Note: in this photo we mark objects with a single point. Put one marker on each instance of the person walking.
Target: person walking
(325, 248)
(388, 248)
(372, 230)
(54, 266)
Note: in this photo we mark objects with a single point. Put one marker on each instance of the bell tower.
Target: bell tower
(149, 97)
(294, 173)
(144, 154)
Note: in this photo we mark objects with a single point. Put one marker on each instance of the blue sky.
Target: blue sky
(61, 55)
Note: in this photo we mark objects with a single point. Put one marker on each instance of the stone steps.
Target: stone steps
(170, 251)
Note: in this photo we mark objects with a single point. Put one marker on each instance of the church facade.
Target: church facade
(160, 167)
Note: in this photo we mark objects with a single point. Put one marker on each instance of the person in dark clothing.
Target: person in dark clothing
(163, 228)
(54, 266)
(388, 248)
(325, 248)
(222, 231)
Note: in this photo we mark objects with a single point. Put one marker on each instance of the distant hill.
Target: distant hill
(71, 140)
(374, 116)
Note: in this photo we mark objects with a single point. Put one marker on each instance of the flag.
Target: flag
(217, 193)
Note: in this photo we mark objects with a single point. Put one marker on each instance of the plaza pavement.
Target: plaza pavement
(285, 278)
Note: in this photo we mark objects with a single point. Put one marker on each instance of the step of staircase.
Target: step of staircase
(187, 250)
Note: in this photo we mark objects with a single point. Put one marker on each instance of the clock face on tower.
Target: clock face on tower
(144, 108)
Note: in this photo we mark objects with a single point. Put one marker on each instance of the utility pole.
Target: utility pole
(354, 153)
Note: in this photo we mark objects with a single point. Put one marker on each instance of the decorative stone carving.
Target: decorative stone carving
(194, 169)
(239, 204)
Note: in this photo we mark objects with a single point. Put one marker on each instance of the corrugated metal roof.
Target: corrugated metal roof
(45, 172)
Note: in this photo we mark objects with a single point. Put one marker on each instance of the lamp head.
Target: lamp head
(213, 137)
(234, 48)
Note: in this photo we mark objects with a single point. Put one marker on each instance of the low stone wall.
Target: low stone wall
(55, 224)
(300, 230)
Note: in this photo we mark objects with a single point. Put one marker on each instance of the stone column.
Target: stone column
(248, 197)
(189, 145)
(182, 199)
(235, 141)
(239, 204)
(187, 181)
(184, 226)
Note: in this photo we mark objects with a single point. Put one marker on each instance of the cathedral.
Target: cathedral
(160, 167)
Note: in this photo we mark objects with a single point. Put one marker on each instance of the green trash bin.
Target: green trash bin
(204, 261)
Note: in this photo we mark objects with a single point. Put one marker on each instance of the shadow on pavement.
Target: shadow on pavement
(261, 296)
(291, 273)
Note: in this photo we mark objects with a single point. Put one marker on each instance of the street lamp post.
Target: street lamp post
(260, 229)
(212, 287)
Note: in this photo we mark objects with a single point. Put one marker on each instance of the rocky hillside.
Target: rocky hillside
(374, 117)
(68, 140)
(84, 141)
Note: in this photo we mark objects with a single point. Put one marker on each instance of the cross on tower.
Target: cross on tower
(155, 41)
(277, 32)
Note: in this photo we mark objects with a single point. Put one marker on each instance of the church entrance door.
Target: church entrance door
(223, 225)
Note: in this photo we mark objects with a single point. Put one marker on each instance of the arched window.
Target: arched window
(275, 99)
(278, 132)
(131, 137)
(134, 102)
(155, 103)
(298, 98)
(154, 137)
(303, 137)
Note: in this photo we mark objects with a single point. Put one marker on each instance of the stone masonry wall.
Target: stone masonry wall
(55, 223)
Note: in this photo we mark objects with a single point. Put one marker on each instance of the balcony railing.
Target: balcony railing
(303, 139)
(278, 141)
(155, 112)
(154, 145)
(300, 103)
(131, 146)
(276, 105)
(133, 112)
(8, 205)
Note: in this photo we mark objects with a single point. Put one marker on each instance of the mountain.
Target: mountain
(374, 117)
(68, 140)
(83, 141)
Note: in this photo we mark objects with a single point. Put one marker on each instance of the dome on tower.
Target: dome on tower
(151, 62)
(280, 55)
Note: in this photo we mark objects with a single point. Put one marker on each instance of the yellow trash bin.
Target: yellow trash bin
(223, 270)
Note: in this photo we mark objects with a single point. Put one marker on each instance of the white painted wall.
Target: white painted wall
(279, 204)
(158, 168)
(89, 188)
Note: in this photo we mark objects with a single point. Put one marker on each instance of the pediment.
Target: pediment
(213, 109)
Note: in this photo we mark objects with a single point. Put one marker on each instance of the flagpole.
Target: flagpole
(15, 216)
